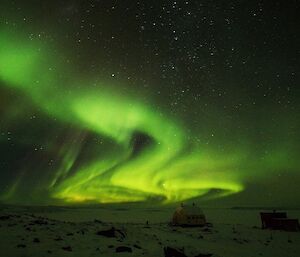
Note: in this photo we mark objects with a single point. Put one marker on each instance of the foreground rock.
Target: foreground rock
(67, 248)
(172, 252)
(112, 232)
(122, 249)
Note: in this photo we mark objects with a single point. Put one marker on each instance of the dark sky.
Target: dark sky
(149, 101)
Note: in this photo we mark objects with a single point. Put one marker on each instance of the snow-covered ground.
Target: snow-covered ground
(62, 231)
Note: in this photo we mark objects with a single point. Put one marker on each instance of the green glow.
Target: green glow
(164, 170)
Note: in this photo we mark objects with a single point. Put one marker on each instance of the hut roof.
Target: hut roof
(190, 210)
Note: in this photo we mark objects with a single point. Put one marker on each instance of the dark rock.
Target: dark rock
(107, 233)
(69, 234)
(67, 248)
(21, 246)
(137, 246)
(98, 221)
(112, 232)
(121, 249)
(172, 252)
(39, 222)
(5, 217)
(110, 246)
(36, 240)
(49, 251)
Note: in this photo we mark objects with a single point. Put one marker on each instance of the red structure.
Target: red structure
(278, 220)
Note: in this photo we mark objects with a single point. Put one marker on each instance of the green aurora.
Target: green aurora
(157, 172)
(144, 155)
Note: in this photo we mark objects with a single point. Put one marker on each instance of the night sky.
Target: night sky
(150, 101)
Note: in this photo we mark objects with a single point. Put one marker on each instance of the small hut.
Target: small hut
(186, 215)
(278, 220)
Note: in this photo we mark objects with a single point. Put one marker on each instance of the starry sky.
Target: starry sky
(155, 102)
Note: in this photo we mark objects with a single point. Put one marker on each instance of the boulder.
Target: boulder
(36, 240)
(122, 249)
(67, 248)
(173, 252)
(112, 232)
